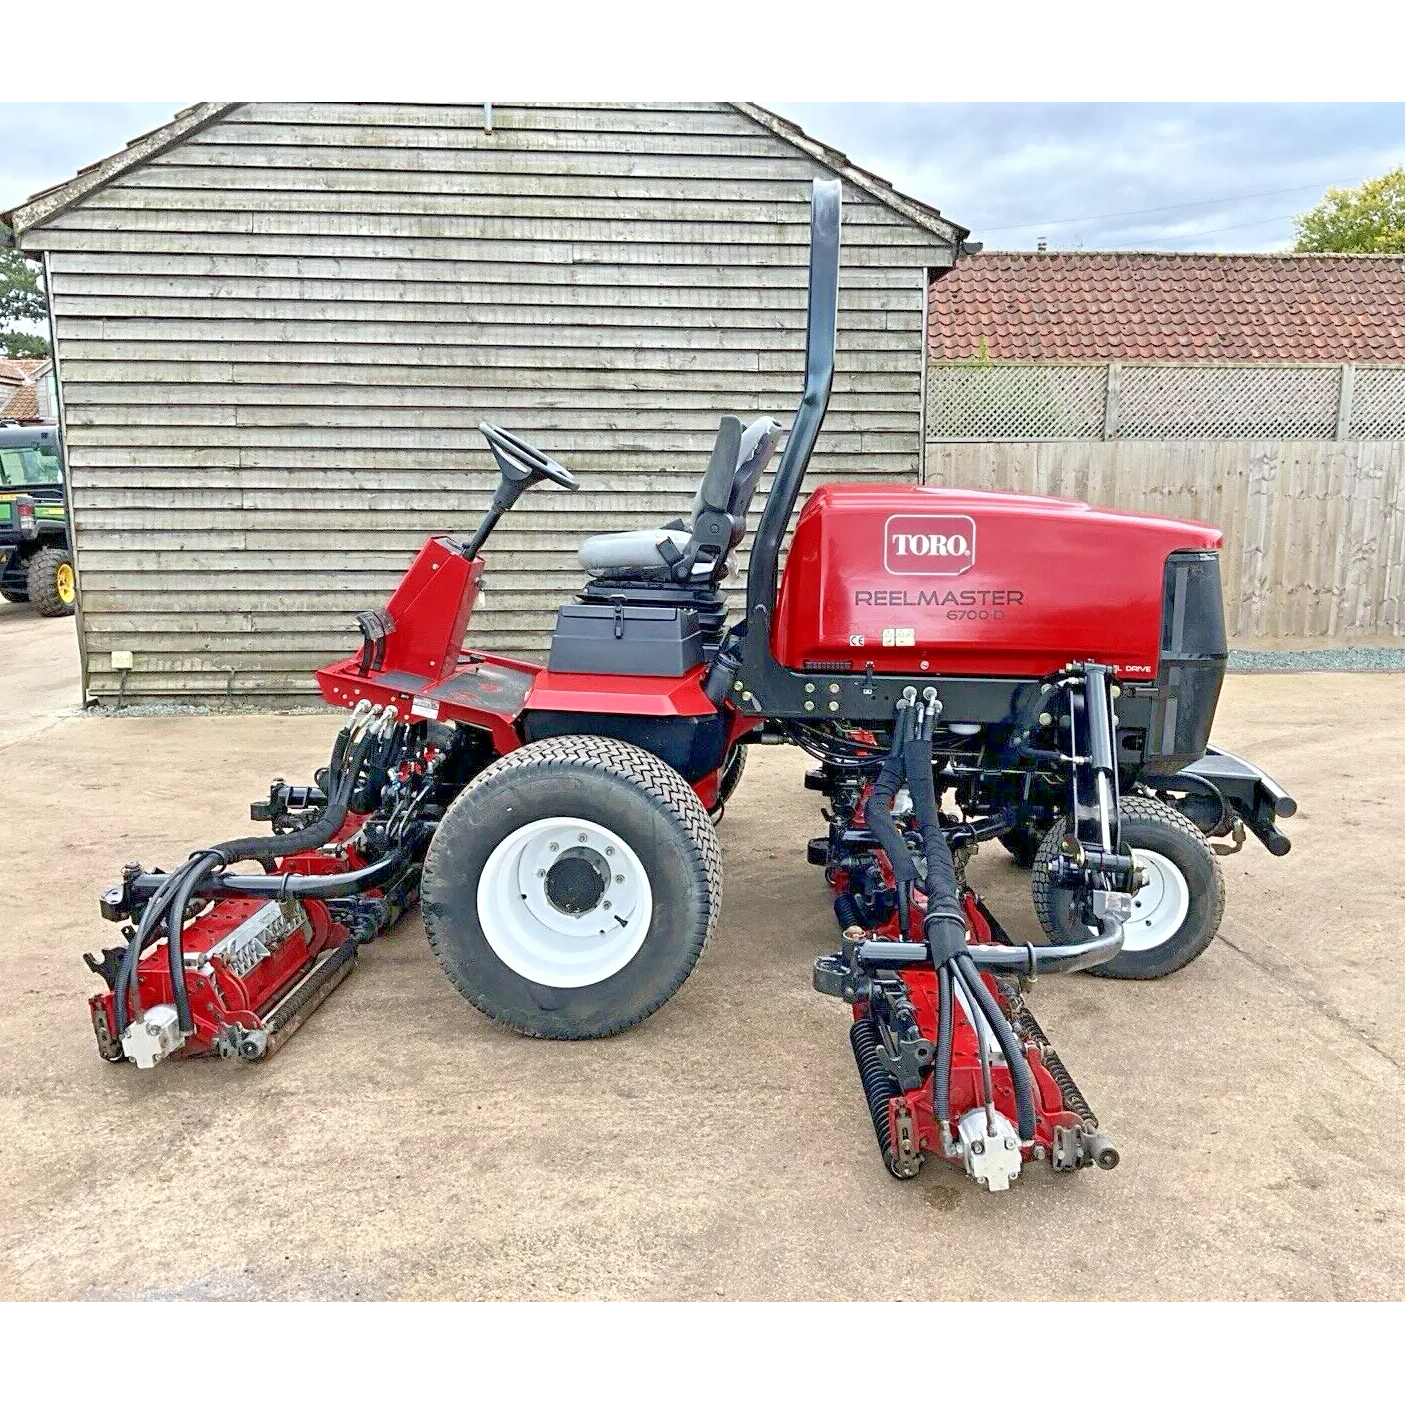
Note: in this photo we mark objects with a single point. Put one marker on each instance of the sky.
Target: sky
(1078, 175)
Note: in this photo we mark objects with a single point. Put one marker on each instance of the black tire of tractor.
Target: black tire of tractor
(611, 783)
(42, 575)
(15, 597)
(1022, 843)
(1146, 824)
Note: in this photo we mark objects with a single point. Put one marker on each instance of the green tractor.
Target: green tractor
(36, 560)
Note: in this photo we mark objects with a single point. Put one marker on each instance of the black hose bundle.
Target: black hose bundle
(168, 906)
(878, 814)
(944, 926)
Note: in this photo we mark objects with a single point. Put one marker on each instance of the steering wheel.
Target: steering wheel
(519, 462)
(559, 474)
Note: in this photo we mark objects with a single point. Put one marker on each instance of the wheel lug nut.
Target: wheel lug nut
(619, 878)
(541, 873)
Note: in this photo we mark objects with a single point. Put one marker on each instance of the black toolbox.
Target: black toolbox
(637, 640)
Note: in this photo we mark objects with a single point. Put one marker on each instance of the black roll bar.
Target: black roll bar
(821, 325)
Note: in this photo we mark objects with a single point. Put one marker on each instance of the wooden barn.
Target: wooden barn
(277, 327)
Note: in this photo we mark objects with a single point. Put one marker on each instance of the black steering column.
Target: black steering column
(520, 465)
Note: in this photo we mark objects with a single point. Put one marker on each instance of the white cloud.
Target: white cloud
(1017, 171)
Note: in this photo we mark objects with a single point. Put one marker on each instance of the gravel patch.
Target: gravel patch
(1344, 660)
(106, 707)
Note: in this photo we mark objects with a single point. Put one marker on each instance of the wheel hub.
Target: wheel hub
(1158, 909)
(564, 902)
(577, 881)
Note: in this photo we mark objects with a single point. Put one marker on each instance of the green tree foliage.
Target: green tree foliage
(1367, 220)
(21, 300)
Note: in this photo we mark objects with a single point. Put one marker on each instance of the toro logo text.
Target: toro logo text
(923, 544)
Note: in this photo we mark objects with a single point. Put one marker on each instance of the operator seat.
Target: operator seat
(695, 553)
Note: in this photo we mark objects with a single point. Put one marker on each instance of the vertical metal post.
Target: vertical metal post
(1344, 394)
(67, 484)
(1112, 404)
(926, 356)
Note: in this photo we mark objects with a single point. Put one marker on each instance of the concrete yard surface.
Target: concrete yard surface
(402, 1147)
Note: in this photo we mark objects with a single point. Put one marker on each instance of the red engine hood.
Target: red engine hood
(941, 580)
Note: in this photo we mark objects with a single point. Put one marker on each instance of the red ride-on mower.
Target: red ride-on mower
(1052, 668)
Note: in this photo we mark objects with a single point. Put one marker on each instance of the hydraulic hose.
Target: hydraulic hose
(321, 831)
(941, 1072)
(1009, 1045)
(943, 899)
(878, 809)
(300, 885)
(178, 888)
(175, 927)
(147, 929)
(945, 925)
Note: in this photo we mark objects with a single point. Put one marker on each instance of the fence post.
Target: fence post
(1112, 407)
(1344, 400)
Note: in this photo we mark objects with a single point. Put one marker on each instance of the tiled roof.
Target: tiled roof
(20, 404)
(18, 370)
(1171, 307)
(19, 393)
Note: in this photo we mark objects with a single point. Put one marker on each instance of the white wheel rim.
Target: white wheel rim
(1159, 909)
(519, 893)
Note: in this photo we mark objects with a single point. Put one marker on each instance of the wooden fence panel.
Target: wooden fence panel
(1314, 529)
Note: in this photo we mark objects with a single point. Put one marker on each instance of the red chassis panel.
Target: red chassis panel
(422, 671)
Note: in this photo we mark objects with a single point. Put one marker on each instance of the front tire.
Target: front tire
(1174, 918)
(52, 587)
(571, 887)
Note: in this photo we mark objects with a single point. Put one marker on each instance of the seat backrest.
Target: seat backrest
(730, 482)
(759, 441)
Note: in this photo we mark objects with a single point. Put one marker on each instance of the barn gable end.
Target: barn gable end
(278, 333)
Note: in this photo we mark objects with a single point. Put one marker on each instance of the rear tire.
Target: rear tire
(52, 589)
(1174, 918)
(571, 888)
(15, 597)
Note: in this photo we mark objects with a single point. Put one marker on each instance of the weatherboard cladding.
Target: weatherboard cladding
(1171, 307)
(277, 338)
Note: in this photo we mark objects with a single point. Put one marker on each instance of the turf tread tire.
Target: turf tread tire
(665, 788)
(1139, 965)
(43, 587)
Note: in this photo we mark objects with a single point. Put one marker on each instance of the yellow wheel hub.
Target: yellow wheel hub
(63, 583)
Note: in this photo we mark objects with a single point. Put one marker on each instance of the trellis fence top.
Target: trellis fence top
(983, 400)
